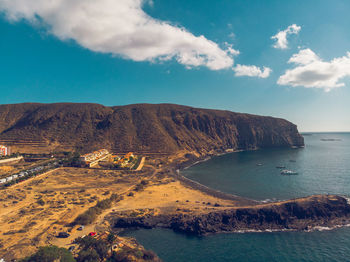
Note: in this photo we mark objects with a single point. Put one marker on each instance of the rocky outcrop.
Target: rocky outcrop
(299, 214)
(142, 127)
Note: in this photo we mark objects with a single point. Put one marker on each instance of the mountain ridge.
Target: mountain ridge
(142, 127)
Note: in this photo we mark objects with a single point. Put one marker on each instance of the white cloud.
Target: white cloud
(252, 71)
(231, 50)
(121, 28)
(312, 72)
(281, 36)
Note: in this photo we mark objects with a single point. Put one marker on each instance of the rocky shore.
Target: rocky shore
(299, 214)
(247, 215)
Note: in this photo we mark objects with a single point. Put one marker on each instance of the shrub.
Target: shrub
(89, 255)
(41, 202)
(144, 182)
(148, 255)
(50, 254)
(139, 187)
(91, 214)
(138, 254)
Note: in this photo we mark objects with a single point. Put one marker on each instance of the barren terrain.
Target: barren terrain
(33, 212)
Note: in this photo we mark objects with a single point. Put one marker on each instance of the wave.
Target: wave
(197, 162)
(323, 228)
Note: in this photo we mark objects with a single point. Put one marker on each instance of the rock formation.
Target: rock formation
(299, 214)
(141, 127)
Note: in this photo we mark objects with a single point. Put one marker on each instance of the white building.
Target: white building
(4, 151)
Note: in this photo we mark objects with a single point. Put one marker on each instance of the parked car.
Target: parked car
(91, 234)
(80, 228)
(71, 248)
(63, 235)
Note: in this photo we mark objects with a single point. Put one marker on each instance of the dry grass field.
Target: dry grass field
(33, 212)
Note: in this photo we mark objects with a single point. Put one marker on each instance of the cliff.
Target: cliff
(299, 214)
(141, 127)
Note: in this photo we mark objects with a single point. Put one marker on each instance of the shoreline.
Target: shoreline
(286, 215)
(309, 214)
(205, 189)
(123, 231)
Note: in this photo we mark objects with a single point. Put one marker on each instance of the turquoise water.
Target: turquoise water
(323, 167)
(248, 247)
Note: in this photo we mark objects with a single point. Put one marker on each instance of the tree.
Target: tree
(89, 255)
(102, 249)
(89, 243)
(110, 239)
(50, 254)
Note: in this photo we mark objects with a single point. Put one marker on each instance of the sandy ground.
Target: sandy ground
(171, 195)
(5, 169)
(65, 193)
(32, 213)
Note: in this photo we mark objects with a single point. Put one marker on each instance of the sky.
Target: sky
(288, 59)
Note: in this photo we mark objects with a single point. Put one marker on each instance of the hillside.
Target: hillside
(140, 127)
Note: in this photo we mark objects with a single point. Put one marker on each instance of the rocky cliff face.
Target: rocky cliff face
(300, 214)
(143, 127)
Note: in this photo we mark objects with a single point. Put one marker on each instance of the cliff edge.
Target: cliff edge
(141, 128)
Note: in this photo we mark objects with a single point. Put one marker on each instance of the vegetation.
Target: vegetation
(98, 250)
(72, 159)
(50, 254)
(137, 163)
(88, 256)
(91, 250)
(91, 214)
(41, 202)
(126, 252)
(141, 185)
(10, 156)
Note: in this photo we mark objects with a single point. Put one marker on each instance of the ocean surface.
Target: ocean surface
(323, 167)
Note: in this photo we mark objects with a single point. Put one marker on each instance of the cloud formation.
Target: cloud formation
(121, 28)
(252, 71)
(281, 36)
(312, 72)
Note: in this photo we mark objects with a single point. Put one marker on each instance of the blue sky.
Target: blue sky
(44, 60)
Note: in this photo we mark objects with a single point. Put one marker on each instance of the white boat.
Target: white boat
(288, 172)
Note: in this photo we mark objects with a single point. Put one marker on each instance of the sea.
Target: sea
(323, 167)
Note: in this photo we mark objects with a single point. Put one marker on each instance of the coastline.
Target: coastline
(210, 191)
(303, 214)
(176, 172)
(283, 215)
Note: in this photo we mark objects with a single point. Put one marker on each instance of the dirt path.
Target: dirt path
(66, 242)
(139, 168)
(10, 160)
